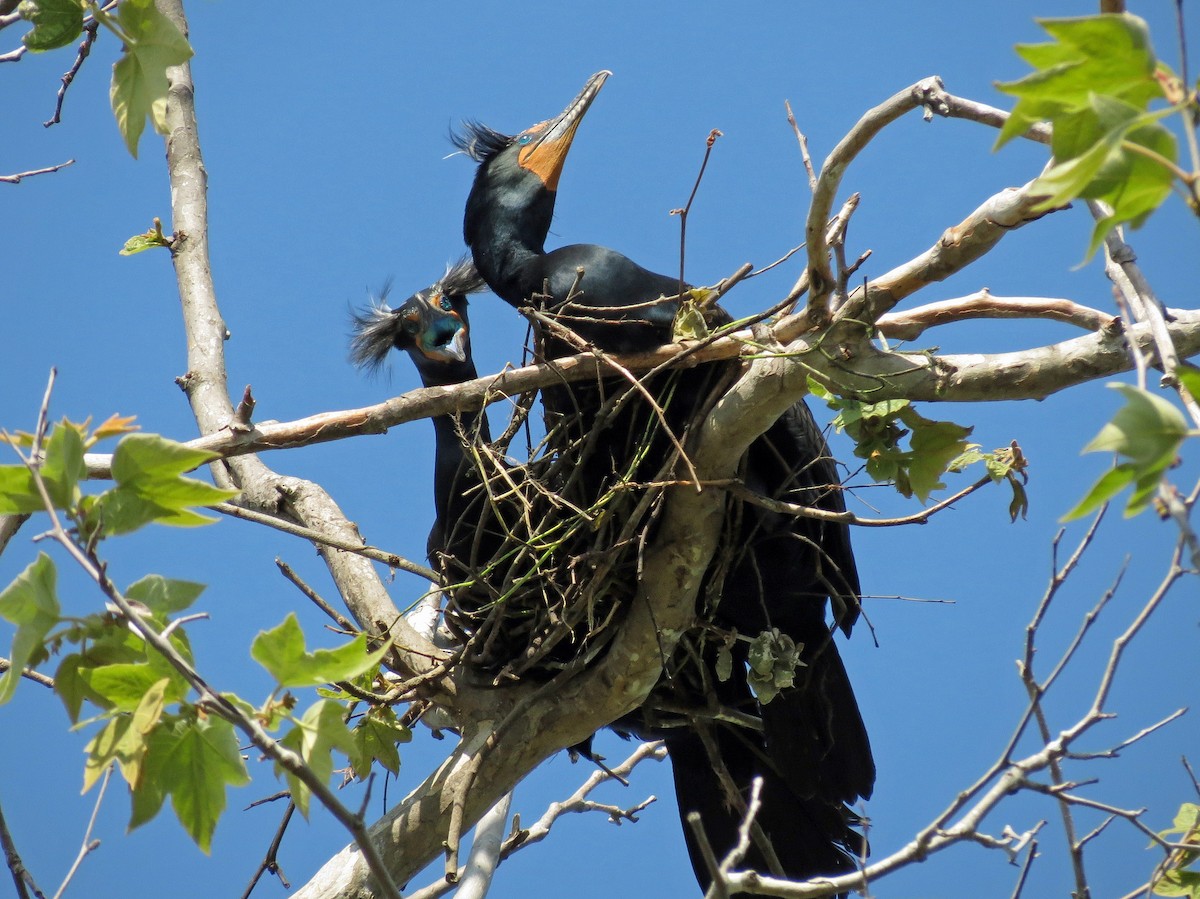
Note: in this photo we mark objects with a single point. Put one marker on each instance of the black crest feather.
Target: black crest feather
(461, 278)
(374, 331)
(478, 141)
(376, 328)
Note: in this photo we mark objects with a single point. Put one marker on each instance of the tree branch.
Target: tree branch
(205, 384)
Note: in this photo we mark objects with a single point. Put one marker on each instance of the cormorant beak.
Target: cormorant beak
(545, 155)
(454, 351)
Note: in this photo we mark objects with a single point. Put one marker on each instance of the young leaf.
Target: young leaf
(200, 762)
(123, 739)
(281, 651)
(29, 602)
(61, 470)
(1105, 54)
(1147, 429)
(55, 23)
(124, 685)
(148, 470)
(321, 730)
(375, 739)
(139, 82)
(164, 596)
(139, 243)
(935, 444)
(113, 426)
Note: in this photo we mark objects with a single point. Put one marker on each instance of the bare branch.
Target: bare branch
(22, 879)
(90, 30)
(36, 676)
(912, 323)
(477, 874)
(923, 93)
(392, 560)
(89, 845)
(1026, 374)
(270, 862)
(16, 179)
(803, 141)
(205, 384)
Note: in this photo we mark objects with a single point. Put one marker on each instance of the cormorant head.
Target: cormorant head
(431, 326)
(519, 173)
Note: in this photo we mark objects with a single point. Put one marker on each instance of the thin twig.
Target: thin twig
(270, 862)
(90, 30)
(341, 620)
(577, 803)
(16, 179)
(36, 676)
(89, 845)
(392, 560)
(922, 517)
(20, 874)
(803, 141)
(687, 207)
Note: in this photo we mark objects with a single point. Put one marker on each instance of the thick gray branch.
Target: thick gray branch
(207, 389)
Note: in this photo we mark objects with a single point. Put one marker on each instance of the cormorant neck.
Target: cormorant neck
(450, 459)
(506, 230)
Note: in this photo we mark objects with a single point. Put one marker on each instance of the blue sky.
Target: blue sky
(325, 142)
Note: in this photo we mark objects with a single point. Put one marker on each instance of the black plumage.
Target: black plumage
(432, 326)
(776, 571)
(509, 549)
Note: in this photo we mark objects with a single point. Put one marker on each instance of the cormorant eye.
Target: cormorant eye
(524, 139)
(446, 305)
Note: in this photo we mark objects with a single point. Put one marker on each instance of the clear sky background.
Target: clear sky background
(324, 135)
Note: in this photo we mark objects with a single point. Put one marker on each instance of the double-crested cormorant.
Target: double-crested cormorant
(433, 328)
(778, 572)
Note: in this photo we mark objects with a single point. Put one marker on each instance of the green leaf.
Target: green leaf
(149, 458)
(123, 739)
(194, 768)
(148, 470)
(61, 470)
(375, 739)
(1178, 883)
(55, 23)
(139, 82)
(774, 658)
(1094, 86)
(108, 642)
(1096, 159)
(281, 651)
(935, 444)
(123, 685)
(64, 467)
(1187, 819)
(18, 491)
(1189, 377)
(1105, 54)
(139, 243)
(29, 602)
(164, 596)
(321, 730)
(1176, 880)
(1147, 429)
(1110, 484)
